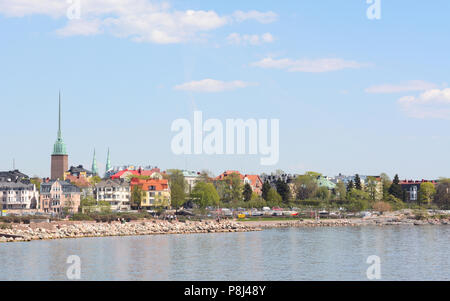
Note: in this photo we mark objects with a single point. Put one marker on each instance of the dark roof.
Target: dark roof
(76, 170)
(12, 176)
(66, 186)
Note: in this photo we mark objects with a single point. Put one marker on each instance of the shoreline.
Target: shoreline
(68, 230)
(354, 222)
(83, 229)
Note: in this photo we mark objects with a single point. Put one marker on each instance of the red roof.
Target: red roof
(159, 185)
(138, 172)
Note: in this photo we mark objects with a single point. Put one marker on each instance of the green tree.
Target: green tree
(357, 200)
(341, 190)
(265, 189)
(306, 186)
(283, 190)
(230, 188)
(386, 181)
(323, 193)
(136, 197)
(205, 176)
(95, 180)
(396, 189)
(205, 194)
(358, 184)
(273, 198)
(442, 196)
(426, 193)
(37, 182)
(247, 192)
(371, 188)
(178, 185)
(350, 186)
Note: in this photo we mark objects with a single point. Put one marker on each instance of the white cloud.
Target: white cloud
(307, 65)
(211, 86)
(245, 39)
(434, 103)
(409, 86)
(139, 20)
(261, 17)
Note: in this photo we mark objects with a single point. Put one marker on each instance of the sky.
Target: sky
(352, 94)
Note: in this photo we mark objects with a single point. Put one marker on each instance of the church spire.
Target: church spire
(59, 148)
(94, 165)
(108, 163)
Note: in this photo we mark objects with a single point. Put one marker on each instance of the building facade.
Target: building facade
(18, 196)
(191, 178)
(155, 192)
(411, 189)
(116, 192)
(57, 196)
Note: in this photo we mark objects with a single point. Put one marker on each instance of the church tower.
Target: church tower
(108, 165)
(60, 159)
(94, 166)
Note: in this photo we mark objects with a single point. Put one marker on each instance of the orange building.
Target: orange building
(155, 192)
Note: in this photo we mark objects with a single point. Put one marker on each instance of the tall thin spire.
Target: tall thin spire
(94, 165)
(59, 117)
(59, 148)
(108, 164)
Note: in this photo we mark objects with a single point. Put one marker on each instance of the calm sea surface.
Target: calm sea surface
(406, 253)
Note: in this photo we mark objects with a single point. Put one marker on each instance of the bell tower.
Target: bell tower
(60, 159)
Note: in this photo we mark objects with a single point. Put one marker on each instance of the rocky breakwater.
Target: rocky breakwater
(303, 223)
(79, 230)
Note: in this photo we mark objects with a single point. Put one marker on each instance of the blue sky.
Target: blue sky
(353, 95)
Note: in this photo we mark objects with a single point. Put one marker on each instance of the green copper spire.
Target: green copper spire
(94, 166)
(108, 163)
(59, 148)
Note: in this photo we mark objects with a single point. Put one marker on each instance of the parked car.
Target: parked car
(257, 213)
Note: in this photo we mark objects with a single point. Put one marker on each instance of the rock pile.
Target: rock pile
(78, 230)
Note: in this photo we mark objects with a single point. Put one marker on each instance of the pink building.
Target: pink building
(59, 195)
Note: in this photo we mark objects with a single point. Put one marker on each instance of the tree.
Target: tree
(341, 190)
(396, 189)
(273, 198)
(357, 200)
(442, 196)
(205, 176)
(306, 186)
(230, 188)
(136, 196)
(386, 181)
(323, 194)
(178, 185)
(426, 193)
(37, 182)
(247, 194)
(205, 194)
(265, 189)
(87, 204)
(395, 203)
(358, 184)
(350, 186)
(95, 180)
(372, 189)
(382, 207)
(283, 190)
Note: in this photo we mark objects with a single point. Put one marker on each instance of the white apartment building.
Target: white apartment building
(115, 192)
(17, 195)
